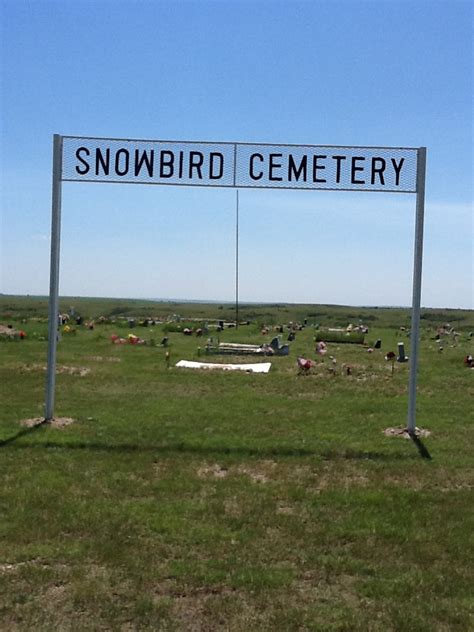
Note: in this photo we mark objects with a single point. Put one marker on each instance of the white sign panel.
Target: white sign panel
(240, 165)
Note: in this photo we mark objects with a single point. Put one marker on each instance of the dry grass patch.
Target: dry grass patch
(99, 358)
(260, 472)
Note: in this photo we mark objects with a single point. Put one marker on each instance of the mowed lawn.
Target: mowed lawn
(202, 501)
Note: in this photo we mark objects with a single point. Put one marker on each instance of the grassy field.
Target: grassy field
(202, 501)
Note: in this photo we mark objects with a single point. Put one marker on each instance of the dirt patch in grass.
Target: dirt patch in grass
(6, 567)
(73, 370)
(260, 472)
(212, 471)
(56, 422)
(402, 432)
(69, 370)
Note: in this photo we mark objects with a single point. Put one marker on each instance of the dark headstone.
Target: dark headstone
(401, 353)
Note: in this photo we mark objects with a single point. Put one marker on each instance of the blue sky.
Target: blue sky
(338, 73)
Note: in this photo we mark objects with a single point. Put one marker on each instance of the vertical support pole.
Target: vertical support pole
(416, 302)
(54, 277)
(237, 260)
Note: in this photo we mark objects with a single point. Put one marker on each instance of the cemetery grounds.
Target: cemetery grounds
(208, 500)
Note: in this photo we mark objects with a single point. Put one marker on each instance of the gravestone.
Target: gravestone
(401, 353)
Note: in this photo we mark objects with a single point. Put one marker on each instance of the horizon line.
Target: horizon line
(229, 302)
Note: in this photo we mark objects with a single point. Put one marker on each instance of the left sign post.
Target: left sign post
(54, 277)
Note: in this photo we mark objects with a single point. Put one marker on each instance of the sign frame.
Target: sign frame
(314, 165)
(58, 178)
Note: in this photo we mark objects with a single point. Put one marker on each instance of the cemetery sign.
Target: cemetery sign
(237, 165)
(240, 165)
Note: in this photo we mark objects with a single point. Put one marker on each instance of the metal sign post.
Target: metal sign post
(416, 302)
(54, 278)
(237, 259)
(237, 165)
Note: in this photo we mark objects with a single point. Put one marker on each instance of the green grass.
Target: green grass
(181, 500)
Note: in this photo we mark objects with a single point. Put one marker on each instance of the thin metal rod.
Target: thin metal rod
(54, 278)
(416, 302)
(237, 260)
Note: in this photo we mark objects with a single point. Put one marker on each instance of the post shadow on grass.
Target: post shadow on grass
(182, 448)
(422, 449)
(21, 433)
